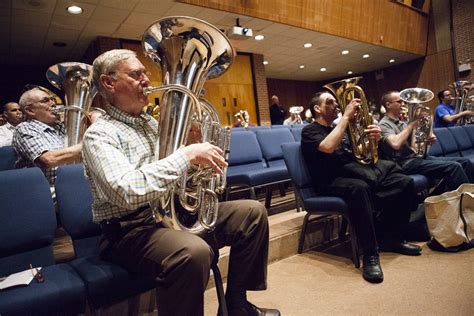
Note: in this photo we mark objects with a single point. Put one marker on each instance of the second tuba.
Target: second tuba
(188, 51)
(461, 91)
(415, 97)
(364, 149)
(75, 80)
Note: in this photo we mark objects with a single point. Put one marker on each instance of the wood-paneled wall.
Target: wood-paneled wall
(380, 22)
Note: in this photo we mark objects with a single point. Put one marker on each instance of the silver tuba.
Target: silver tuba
(415, 97)
(188, 51)
(364, 149)
(462, 102)
(75, 79)
(296, 111)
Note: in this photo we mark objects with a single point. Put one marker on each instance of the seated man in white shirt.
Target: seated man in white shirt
(12, 115)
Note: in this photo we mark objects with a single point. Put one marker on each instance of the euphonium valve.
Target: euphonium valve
(364, 149)
(188, 51)
(415, 97)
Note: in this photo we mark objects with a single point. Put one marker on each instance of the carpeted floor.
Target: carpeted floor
(317, 283)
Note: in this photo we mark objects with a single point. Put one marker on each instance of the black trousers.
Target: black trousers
(380, 199)
(180, 261)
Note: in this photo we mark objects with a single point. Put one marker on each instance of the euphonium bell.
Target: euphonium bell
(75, 80)
(364, 149)
(415, 97)
(188, 51)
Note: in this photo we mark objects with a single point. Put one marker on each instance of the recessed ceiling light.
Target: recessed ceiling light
(301, 66)
(259, 37)
(349, 72)
(265, 62)
(391, 61)
(345, 52)
(323, 69)
(74, 9)
(307, 45)
(365, 56)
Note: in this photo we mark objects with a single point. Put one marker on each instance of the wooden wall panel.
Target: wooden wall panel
(380, 22)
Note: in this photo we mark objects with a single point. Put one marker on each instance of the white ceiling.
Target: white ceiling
(28, 29)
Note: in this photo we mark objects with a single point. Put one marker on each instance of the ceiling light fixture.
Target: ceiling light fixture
(345, 52)
(391, 61)
(74, 9)
(365, 56)
(307, 45)
(301, 66)
(259, 37)
(265, 62)
(323, 69)
(349, 72)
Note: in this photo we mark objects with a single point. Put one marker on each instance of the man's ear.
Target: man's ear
(28, 111)
(316, 108)
(107, 82)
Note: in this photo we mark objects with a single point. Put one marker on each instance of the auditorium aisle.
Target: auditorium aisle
(317, 283)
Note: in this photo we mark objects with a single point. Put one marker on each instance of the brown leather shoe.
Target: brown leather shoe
(251, 310)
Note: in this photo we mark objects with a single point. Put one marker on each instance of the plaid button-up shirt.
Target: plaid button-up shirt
(119, 160)
(33, 138)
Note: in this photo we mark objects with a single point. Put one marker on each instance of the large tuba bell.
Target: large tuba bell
(415, 97)
(188, 51)
(364, 149)
(75, 79)
(462, 102)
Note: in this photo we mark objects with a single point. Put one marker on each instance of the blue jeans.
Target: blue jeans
(465, 163)
(438, 168)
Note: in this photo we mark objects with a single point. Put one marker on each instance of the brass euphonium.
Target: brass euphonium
(461, 91)
(75, 80)
(188, 51)
(364, 149)
(414, 98)
(243, 118)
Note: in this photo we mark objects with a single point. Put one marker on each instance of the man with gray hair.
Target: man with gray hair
(125, 176)
(39, 141)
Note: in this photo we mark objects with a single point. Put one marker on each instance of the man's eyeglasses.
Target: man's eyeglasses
(398, 101)
(45, 100)
(37, 274)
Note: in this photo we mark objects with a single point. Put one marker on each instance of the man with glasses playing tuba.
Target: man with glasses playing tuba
(40, 139)
(119, 159)
(398, 142)
(372, 190)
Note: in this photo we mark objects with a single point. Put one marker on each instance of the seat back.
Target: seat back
(270, 141)
(447, 142)
(296, 131)
(257, 128)
(74, 201)
(297, 169)
(28, 220)
(462, 139)
(280, 126)
(470, 132)
(244, 149)
(7, 158)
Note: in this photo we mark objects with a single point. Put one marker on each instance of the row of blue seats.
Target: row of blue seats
(456, 141)
(27, 232)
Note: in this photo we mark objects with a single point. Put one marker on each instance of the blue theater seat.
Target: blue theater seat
(312, 203)
(106, 282)
(7, 158)
(27, 233)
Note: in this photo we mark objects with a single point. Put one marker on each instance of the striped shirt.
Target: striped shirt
(33, 138)
(119, 160)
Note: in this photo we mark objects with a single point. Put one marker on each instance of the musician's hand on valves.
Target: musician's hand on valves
(432, 139)
(374, 132)
(206, 155)
(352, 108)
(194, 135)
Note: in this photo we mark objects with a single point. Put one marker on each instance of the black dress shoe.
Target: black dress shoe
(401, 247)
(372, 271)
(251, 310)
